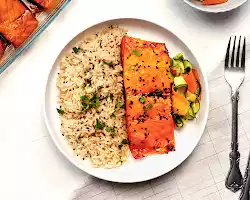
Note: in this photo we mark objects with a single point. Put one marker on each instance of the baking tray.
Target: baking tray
(44, 18)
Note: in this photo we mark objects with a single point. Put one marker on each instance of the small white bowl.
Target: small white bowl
(230, 5)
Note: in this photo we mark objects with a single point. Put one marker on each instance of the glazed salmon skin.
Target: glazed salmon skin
(46, 3)
(10, 10)
(18, 31)
(148, 97)
(146, 65)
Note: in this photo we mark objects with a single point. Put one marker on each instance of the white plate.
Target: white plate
(152, 166)
(230, 5)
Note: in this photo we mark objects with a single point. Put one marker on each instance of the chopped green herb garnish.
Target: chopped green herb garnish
(124, 141)
(76, 50)
(136, 53)
(119, 105)
(113, 130)
(99, 125)
(120, 146)
(82, 98)
(112, 115)
(150, 106)
(113, 135)
(108, 63)
(131, 68)
(159, 94)
(142, 99)
(60, 111)
(144, 108)
(108, 129)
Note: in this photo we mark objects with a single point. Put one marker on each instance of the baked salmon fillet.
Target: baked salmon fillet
(150, 125)
(146, 65)
(10, 10)
(148, 97)
(17, 31)
(46, 3)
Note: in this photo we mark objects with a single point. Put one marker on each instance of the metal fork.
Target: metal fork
(234, 74)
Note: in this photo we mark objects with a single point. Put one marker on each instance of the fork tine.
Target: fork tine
(238, 54)
(243, 58)
(233, 53)
(228, 54)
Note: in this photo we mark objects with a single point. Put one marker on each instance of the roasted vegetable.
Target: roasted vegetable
(188, 66)
(190, 96)
(191, 81)
(148, 97)
(195, 107)
(46, 3)
(180, 104)
(17, 31)
(179, 82)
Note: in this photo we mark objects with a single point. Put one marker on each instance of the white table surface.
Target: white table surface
(32, 168)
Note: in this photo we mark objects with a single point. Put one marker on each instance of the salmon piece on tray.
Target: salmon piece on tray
(10, 10)
(2, 47)
(16, 32)
(148, 97)
(46, 3)
(146, 65)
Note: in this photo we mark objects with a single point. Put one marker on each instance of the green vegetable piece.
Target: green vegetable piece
(179, 56)
(142, 99)
(144, 108)
(195, 107)
(190, 114)
(108, 63)
(170, 75)
(184, 121)
(60, 111)
(188, 66)
(179, 82)
(108, 129)
(179, 123)
(137, 53)
(99, 125)
(190, 96)
(113, 130)
(76, 50)
(120, 146)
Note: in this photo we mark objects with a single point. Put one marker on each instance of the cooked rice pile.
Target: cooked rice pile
(91, 99)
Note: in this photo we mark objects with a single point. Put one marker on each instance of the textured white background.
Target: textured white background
(31, 167)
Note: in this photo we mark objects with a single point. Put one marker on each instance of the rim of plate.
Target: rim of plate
(211, 9)
(156, 174)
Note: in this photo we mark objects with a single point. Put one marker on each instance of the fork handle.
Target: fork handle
(245, 195)
(234, 178)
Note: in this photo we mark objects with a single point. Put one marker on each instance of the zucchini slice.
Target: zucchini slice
(187, 66)
(195, 107)
(179, 82)
(179, 56)
(190, 115)
(190, 96)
